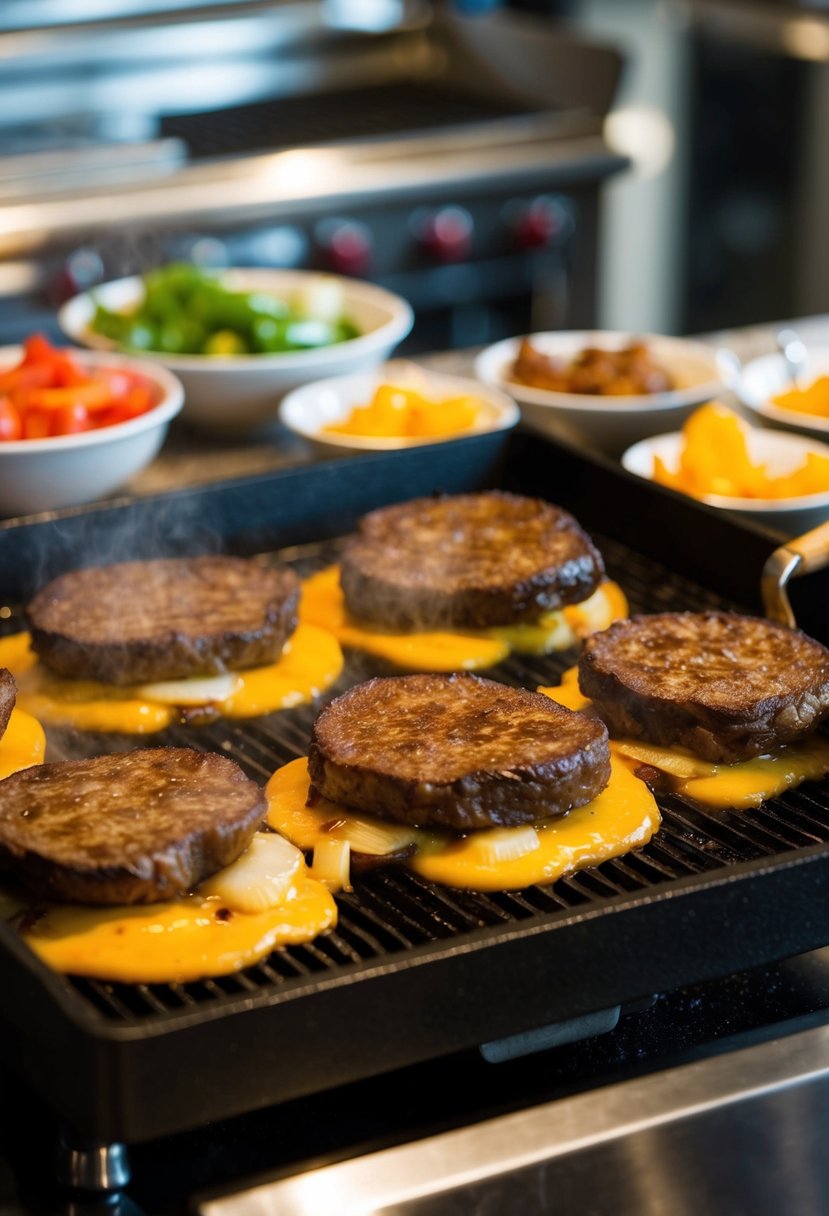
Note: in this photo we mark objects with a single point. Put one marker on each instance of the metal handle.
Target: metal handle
(803, 555)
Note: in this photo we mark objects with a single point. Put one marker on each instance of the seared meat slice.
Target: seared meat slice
(8, 696)
(164, 619)
(458, 751)
(727, 687)
(469, 561)
(127, 828)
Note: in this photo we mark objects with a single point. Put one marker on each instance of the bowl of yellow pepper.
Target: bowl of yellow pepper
(766, 387)
(774, 478)
(398, 405)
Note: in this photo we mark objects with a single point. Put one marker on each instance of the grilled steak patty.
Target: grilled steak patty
(127, 828)
(469, 560)
(8, 696)
(725, 686)
(458, 751)
(164, 619)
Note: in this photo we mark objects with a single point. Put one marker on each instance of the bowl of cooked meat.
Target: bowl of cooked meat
(76, 425)
(239, 340)
(604, 388)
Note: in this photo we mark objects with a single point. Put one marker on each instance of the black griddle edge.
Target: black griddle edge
(139, 1079)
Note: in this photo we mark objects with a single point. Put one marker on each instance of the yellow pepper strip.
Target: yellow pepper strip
(714, 459)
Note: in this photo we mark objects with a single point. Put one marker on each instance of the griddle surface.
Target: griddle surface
(379, 111)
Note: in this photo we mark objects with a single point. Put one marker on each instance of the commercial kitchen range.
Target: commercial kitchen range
(456, 160)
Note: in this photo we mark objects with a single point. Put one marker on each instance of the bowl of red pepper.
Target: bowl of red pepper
(77, 425)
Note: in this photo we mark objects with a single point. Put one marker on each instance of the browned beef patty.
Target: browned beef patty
(725, 686)
(468, 560)
(8, 696)
(457, 751)
(164, 619)
(127, 828)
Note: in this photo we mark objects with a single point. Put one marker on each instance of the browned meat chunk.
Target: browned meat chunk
(164, 619)
(128, 828)
(8, 695)
(631, 371)
(469, 561)
(458, 751)
(727, 687)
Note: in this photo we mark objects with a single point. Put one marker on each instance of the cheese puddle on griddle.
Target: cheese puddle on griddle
(23, 743)
(311, 661)
(623, 817)
(187, 939)
(264, 899)
(237, 917)
(323, 604)
(736, 786)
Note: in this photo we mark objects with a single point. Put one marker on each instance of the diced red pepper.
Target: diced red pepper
(37, 424)
(11, 424)
(70, 419)
(26, 376)
(50, 393)
(67, 372)
(94, 394)
(37, 349)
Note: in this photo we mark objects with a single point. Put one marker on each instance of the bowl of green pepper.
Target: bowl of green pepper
(239, 340)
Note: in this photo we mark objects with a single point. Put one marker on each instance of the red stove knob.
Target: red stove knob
(445, 234)
(346, 245)
(540, 223)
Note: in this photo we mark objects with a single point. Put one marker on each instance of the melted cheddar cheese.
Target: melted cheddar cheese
(23, 743)
(323, 604)
(187, 939)
(623, 817)
(739, 786)
(311, 661)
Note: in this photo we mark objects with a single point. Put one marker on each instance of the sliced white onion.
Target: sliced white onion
(497, 845)
(331, 863)
(676, 763)
(195, 690)
(260, 878)
(320, 299)
(375, 837)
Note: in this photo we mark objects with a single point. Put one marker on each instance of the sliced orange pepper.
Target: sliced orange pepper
(714, 460)
(396, 411)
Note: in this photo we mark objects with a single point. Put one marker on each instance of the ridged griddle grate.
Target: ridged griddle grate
(392, 911)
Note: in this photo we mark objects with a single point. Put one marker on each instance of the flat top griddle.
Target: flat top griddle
(403, 108)
(415, 971)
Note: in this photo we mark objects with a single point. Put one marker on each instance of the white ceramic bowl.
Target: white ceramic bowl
(764, 378)
(780, 451)
(46, 474)
(306, 410)
(608, 424)
(239, 393)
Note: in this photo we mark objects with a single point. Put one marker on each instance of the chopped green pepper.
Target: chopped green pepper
(189, 311)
